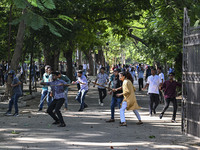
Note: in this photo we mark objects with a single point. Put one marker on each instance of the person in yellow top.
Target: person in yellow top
(129, 102)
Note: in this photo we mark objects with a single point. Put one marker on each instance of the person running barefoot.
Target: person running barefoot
(129, 102)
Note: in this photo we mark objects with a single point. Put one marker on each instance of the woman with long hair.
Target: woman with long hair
(129, 102)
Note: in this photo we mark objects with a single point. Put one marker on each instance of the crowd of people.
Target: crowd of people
(120, 85)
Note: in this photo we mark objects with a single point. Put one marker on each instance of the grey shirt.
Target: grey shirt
(17, 89)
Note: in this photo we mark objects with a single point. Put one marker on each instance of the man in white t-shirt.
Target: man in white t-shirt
(162, 77)
(84, 68)
(154, 83)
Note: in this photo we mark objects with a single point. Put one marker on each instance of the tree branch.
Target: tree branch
(137, 38)
(101, 19)
(137, 27)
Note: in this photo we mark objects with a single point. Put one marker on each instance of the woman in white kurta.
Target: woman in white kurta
(129, 102)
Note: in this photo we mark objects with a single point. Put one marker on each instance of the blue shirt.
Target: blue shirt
(83, 79)
(58, 91)
(140, 73)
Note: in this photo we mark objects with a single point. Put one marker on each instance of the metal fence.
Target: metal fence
(191, 78)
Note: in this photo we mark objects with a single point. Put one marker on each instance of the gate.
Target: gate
(191, 78)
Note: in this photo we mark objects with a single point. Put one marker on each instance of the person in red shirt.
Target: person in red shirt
(169, 88)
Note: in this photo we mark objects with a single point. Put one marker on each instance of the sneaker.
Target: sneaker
(173, 121)
(62, 125)
(8, 113)
(139, 123)
(123, 124)
(101, 104)
(40, 109)
(85, 106)
(16, 114)
(65, 109)
(154, 111)
(111, 120)
(56, 122)
(80, 110)
(161, 115)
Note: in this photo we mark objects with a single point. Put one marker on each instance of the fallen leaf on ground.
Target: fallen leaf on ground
(152, 137)
(15, 132)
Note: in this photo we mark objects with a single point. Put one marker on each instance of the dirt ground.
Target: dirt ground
(33, 130)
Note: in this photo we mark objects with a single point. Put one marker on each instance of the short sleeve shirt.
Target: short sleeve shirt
(16, 89)
(140, 73)
(162, 77)
(154, 82)
(83, 79)
(102, 78)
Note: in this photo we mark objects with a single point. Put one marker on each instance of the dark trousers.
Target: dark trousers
(78, 86)
(154, 101)
(140, 82)
(1, 79)
(167, 102)
(56, 104)
(102, 94)
(161, 96)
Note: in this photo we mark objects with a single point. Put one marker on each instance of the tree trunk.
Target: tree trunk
(101, 57)
(19, 43)
(56, 59)
(9, 33)
(79, 59)
(31, 66)
(48, 56)
(91, 62)
(17, 53)
(68, 56)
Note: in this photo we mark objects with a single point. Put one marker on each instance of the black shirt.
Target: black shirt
(116, 84)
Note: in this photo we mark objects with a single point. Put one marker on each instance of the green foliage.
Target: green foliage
(20, 3)
(54, 30)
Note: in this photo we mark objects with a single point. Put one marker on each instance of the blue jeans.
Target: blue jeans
(81, 97)
(115, 101)
(122, 112)
(49, 99)
(66, 94)
(14, 100)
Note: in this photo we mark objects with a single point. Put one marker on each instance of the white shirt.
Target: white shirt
(154, 82)
(162, 77)
(64, 67)
(84, 66)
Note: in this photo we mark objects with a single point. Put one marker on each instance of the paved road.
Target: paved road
(32, 130)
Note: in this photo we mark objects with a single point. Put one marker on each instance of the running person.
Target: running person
(57, 87)
(129, 102)
(102, 79)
